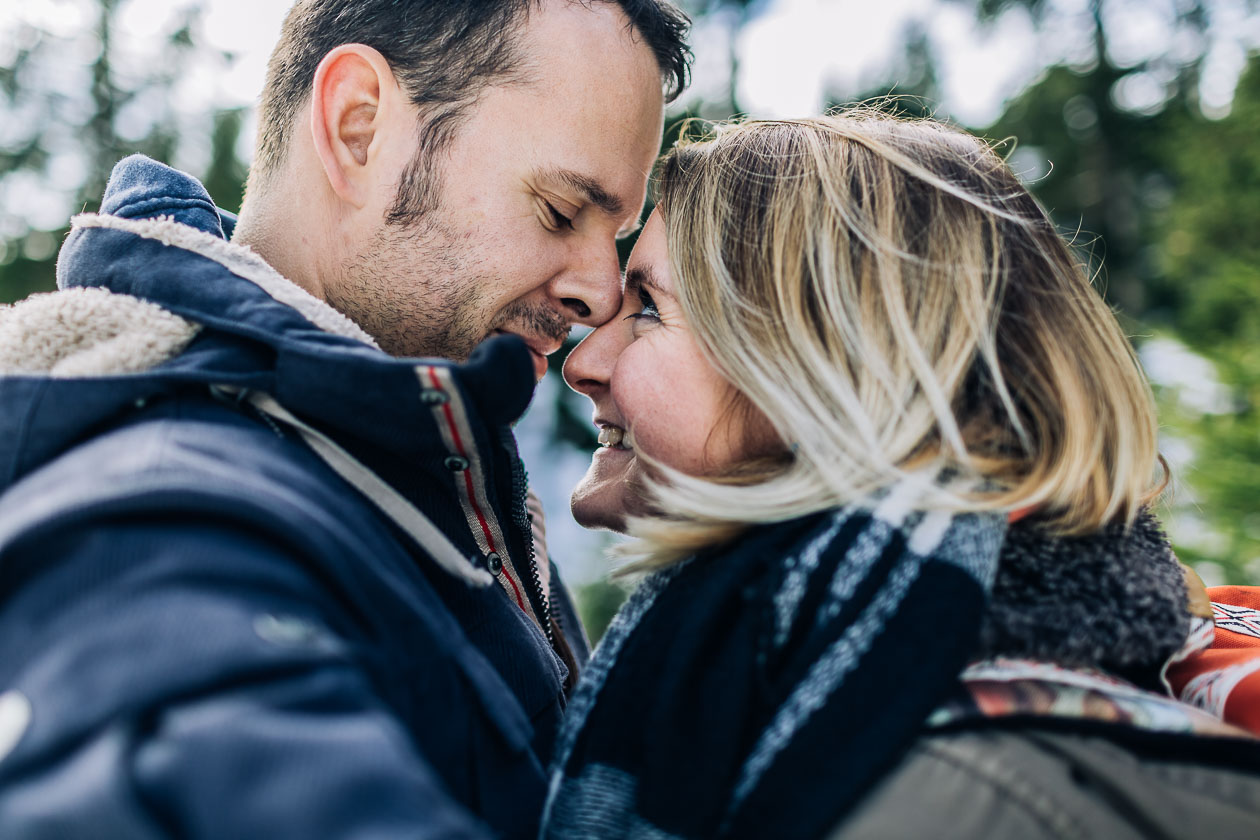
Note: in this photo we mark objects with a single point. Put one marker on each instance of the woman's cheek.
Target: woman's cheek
(670, 398)
(672, 435)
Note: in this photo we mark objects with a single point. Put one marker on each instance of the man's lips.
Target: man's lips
(539, 349)
(540, 364)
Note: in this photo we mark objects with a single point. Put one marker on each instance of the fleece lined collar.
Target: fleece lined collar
(238, 259)
(88, 332)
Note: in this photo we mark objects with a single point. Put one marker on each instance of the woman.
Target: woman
(852, 350)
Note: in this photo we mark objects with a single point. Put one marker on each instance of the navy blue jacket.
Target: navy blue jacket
(204, 630)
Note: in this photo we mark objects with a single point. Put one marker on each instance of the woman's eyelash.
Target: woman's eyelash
(649, 307)
(561, 220)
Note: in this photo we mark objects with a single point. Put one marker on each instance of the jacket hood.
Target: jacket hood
(153, 299)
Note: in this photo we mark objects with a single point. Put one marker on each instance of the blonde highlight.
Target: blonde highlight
(892, 299)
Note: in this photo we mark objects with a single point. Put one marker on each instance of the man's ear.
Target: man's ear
(353, 97)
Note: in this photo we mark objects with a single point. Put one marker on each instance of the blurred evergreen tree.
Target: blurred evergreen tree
(1209, 226)
(1107, 170)
(225, 175)
(1161, 200)
(75, 103)
(597, 603)
(1207, 258)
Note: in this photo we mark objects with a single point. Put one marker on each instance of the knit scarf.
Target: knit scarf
(728, 686)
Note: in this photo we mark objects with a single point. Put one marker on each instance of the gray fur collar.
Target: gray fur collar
(1115, 600)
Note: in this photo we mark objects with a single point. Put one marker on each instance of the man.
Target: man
(264, 570)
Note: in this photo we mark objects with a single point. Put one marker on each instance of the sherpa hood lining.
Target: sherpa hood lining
(239, 260)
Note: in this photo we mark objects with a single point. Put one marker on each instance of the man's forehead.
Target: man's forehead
(591, 118)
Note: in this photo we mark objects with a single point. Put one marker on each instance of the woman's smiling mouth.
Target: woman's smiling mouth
(611, 437)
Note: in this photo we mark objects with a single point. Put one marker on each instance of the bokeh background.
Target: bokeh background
(1137, 122)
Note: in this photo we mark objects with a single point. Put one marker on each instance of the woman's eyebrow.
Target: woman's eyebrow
(639, 277)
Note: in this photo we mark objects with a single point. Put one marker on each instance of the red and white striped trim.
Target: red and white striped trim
(451, 418)
(1210, 690)
(389, 501)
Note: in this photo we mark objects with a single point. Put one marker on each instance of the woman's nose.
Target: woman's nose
(589, 366)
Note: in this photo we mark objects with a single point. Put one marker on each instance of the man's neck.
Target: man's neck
(287, 245)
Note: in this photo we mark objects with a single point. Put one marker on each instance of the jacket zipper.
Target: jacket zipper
(524, 522)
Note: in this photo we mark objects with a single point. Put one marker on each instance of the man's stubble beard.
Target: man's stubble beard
(414, 291)
(419, 291)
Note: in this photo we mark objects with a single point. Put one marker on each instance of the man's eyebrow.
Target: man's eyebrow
(591, 190)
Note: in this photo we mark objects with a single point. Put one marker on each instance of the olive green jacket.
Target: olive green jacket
(1042, 785)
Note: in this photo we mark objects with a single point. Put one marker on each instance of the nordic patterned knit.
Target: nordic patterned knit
(1225, 678)
(727, 685)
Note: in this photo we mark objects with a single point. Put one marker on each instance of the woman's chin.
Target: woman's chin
(602, 498)
(598, 518)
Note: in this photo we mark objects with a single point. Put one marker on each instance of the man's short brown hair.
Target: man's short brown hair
(443, 52)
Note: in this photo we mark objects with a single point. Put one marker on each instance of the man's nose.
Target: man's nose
(590, 291)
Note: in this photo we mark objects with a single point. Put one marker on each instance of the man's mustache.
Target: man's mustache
(542, 321)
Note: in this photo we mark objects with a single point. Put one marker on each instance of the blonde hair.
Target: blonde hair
(894, 301)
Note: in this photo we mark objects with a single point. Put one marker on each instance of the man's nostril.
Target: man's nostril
(579, 307)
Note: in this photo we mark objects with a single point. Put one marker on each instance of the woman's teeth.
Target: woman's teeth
(610, 437)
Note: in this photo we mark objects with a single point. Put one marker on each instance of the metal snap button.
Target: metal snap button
(432, 396)
(456, 463)
(494, 564)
